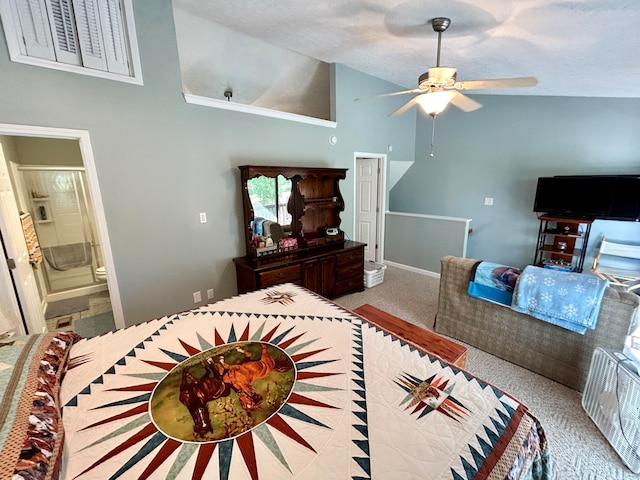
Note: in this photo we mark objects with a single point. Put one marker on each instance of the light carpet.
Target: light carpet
(579, 451)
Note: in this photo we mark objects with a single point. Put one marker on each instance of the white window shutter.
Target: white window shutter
(89, 34)
(114, 36)
(91, 37)
(36, 35)
(65, 38)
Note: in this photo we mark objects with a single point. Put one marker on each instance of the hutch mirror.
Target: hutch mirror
(290, 208)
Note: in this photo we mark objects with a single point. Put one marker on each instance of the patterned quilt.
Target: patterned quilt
(283, 384)
(31, 434)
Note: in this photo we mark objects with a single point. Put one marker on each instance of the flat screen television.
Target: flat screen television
(611, 197)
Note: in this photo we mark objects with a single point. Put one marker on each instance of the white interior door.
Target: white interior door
(367, 217)
(16, 249)
(9, 308)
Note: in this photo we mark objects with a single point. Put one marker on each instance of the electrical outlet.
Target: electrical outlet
(488, 201)
(210, 294)
(197, 297)
(203, 217)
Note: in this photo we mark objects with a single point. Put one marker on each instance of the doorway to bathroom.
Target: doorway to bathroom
(54, 189)
(50, 187)
(71, 275)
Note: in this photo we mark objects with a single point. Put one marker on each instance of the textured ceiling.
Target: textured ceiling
(582, 48)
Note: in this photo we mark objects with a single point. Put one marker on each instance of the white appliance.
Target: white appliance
(612, 400)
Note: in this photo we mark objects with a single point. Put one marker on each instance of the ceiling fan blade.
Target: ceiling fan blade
(406, 106)
(404, 92)
(465, 103)
(497, 83)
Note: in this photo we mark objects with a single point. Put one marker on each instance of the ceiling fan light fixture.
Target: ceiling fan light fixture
(439, 86)
(438, 76)
(434, 103)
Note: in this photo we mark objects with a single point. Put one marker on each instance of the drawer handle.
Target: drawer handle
(281, 275)
(352, 256)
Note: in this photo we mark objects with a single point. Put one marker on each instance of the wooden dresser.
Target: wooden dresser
(303, 205)
(330, 271)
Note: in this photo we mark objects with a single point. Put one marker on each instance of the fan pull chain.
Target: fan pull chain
(433, 133)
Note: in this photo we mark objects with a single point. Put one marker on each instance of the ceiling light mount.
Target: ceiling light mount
(440, 24)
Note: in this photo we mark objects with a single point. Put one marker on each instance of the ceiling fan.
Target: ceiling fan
(438, 86)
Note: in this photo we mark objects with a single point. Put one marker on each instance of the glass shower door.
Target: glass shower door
(63, 223)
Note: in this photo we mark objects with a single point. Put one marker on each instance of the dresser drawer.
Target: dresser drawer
(350, 284)
(350, 263)
(290, 274)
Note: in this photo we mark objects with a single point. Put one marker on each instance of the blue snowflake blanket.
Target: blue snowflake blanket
(568, 299)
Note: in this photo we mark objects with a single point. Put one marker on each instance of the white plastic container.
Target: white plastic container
(373, 273)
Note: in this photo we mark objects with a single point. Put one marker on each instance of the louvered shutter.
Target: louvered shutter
(114, 36)
(65, 38)
(89, 34)
(101, 35)
(34, 22)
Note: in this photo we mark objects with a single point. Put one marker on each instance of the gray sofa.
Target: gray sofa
(552, 351)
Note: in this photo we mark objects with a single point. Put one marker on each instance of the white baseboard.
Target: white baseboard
(428, 273)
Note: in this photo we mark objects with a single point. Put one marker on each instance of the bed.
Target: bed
(273, 384)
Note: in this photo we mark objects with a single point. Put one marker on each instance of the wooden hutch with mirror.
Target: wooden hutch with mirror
(292, 231)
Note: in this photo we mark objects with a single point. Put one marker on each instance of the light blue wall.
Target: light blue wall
(161, 161)
(500, 150)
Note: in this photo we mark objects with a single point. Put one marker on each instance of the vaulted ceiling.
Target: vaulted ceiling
(587, 48)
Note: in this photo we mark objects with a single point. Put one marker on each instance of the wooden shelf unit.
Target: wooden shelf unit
(556, 231)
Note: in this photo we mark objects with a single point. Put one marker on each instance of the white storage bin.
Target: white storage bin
(373, 273)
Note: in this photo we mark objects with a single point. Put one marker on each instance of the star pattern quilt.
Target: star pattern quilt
(284, 384)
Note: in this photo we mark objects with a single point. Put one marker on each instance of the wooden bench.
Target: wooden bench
(419, 337)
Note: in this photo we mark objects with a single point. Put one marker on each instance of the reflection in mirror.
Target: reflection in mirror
(269, 198)
(271, 218)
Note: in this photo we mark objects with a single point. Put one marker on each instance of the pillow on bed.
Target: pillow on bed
(31, 433)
